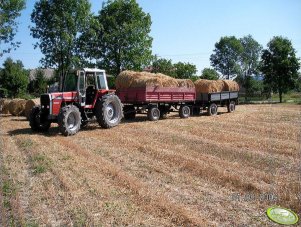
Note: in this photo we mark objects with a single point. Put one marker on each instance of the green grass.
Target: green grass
(40, 163)
(291, 97)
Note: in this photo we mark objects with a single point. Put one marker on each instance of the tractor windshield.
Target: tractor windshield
(70, 82)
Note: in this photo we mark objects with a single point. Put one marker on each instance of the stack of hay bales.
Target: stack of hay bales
(211, 86)
(4, 106)
(29, 105)
(131, 79)
(18, 107)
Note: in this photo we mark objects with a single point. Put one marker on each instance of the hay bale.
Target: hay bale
(131, 79)
(208, 86)
(230, 85)
(185, 83)
(4, 106)
(16, 107)
(29, 105)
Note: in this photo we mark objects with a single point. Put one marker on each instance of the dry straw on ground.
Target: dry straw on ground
(29, 105)
(131, 79)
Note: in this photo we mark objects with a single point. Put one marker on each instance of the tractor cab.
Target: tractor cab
(84, 95)
(87, 83)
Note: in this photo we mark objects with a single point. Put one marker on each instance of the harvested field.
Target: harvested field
(224, 170)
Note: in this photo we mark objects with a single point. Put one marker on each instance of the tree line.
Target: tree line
(118, 37)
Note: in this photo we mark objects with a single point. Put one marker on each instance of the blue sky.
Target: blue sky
(187, 30)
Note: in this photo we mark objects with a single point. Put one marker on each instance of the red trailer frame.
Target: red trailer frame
(158, 101)
(156, 95)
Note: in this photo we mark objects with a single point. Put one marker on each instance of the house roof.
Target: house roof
(48, 73)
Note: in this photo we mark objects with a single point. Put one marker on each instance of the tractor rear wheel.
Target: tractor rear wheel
(108, 111)
(184, 111)
(36, 121)
(69, 120)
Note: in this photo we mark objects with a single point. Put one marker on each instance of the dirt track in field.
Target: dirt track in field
(202, 171)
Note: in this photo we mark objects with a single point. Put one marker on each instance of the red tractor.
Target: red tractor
(84, 96)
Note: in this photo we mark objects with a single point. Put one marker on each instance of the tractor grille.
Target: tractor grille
(45, 103)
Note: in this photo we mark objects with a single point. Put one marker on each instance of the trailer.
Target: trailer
(156, 102)
(211, 101)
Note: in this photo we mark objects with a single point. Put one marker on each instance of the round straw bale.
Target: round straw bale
(230, 85)
(29, 105)
(4, 106)
(209, 86)
(16, 107)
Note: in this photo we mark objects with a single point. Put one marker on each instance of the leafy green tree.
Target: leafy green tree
(164, 66)
(9, 12)
(120, 37)
(280, 65)
(226, 56)
(185, 70)
(250, 60)
(209, 74)
(58, 25)
(39, 84)
(14, 78)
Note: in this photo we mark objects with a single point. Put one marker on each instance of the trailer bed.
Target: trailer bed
(218, 96)
(156, 95)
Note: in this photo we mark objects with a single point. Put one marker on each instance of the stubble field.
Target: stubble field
(224, 170)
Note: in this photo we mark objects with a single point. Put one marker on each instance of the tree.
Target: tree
(14, 78)
(9, 12)
(120, 37)
(164, 66)
(39, 84)
(209, 74)
(226, 56)
(250, 59)
(280, 65)
(185, 70)
(58, 24)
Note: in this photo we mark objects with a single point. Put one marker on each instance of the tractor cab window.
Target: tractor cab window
(101, 80)
(70, 82)
(90, 80)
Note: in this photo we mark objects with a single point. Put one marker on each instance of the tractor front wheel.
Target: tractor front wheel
(37, 122)
(69, 120)
(108, 111)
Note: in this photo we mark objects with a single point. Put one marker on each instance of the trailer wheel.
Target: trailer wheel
(129, 112)
(231, 107)
(69, 120)
(36, 122)
(153, 113)
(108, 111)
(212, 109)
(184, 112)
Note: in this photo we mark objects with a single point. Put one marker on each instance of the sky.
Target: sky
(186, 31)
